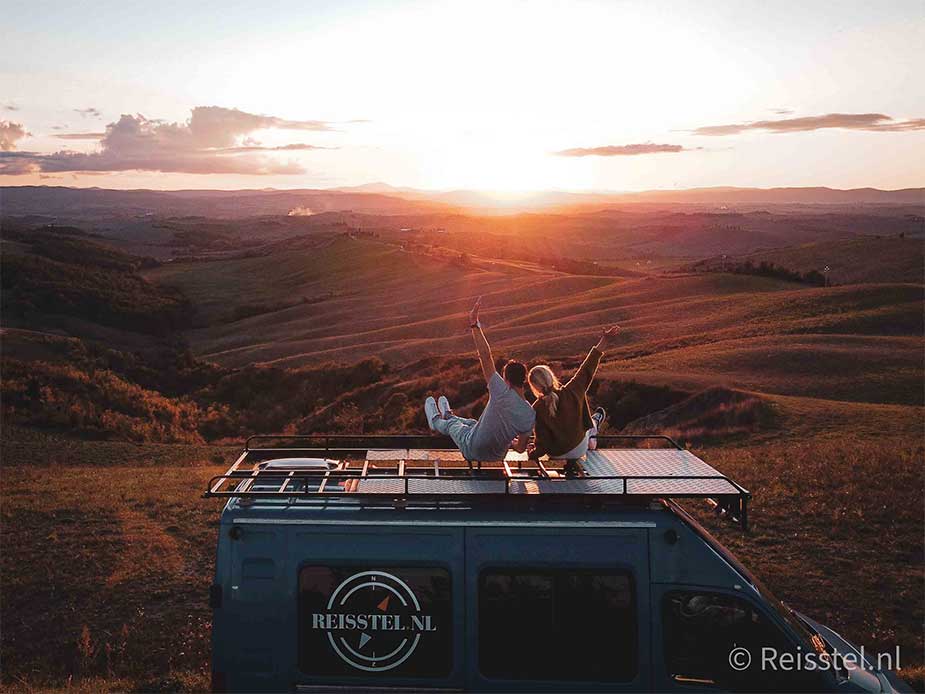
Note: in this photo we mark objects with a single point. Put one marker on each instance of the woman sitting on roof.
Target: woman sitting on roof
(565, 427)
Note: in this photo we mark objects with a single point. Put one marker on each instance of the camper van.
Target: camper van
(393, 564)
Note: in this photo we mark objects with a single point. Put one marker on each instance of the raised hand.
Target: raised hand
(474, 313)
(481, 344)
(608, 336)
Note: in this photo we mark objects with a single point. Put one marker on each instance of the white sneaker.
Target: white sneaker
(443, 405)
(430, 412)
(599, 417)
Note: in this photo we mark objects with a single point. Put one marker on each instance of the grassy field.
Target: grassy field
(811, 397)
(364, 297)
(115, 545)
(852, 261)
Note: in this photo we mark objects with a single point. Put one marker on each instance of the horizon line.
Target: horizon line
(396, 190)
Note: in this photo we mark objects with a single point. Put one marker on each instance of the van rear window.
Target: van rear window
(373, 620)
(565, 625)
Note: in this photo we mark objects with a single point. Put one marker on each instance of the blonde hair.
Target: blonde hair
(544, 384)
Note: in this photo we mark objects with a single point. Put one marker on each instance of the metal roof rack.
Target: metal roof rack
(399, 469)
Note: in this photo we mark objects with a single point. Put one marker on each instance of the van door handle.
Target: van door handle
(683, 679)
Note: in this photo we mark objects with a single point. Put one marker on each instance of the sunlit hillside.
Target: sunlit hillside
(134, 351)
(348, 299)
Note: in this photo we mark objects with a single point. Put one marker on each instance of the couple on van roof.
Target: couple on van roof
(565, 427)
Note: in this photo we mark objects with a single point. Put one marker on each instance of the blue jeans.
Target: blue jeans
(458, 429)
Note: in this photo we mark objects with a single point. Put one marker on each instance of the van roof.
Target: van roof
(380, 472)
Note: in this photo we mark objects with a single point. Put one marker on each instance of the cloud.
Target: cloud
(10, 107)
(10, 132)
(782, 111)
(295, 147)
(214, 126)
(213, 140)
(870, 122)
(89, 112)
(80, 136)
(621, 150)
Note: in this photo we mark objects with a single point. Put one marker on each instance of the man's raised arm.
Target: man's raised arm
(481, 344)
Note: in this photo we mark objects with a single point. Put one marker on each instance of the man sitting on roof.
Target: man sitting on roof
(508, 418)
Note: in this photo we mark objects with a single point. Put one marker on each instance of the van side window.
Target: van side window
(370, 621)
(571, 625)
(702, 629)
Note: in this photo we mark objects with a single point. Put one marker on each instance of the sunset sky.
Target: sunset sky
(443, 95)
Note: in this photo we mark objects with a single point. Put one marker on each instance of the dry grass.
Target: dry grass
(838, 533)
(859, 368)
(371, 307)
(106, 573)
(862, 259)
(108, 550)
(120, 556)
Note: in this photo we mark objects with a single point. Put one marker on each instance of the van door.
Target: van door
(714, 640)
(246, 628)
(557, 607)
(377, 605)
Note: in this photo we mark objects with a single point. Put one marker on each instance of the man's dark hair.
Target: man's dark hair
(515, 373)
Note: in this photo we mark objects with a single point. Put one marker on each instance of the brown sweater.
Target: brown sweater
(560, 433)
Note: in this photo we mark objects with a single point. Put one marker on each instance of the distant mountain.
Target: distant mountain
(378, 187)
(720, 196)
(811, 196)
(382, 199)
(96, 203)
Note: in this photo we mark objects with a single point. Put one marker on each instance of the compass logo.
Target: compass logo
(373, 621)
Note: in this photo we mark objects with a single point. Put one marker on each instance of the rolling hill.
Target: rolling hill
(124, 376)
(858, 260)
(350, 299)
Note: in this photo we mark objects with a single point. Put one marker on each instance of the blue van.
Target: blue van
(393, 564)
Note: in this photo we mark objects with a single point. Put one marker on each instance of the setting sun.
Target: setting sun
(485, 95)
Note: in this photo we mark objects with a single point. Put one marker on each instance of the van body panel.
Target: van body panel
(686, 558)
(362, 549)
(261, 551)
(270, 556)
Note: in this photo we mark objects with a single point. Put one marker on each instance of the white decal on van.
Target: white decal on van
(373, 621)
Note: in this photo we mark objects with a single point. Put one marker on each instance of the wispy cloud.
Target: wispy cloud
(213, 140)
(10, 133)
(89, 112)
(81, 136)
(870, 122)
(621, 150)
(782, 111)
(295, 147)
(10, 107)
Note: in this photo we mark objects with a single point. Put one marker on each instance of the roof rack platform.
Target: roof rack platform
(399, 469)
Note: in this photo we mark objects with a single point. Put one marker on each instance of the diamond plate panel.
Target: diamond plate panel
(647, 463)
(658, 463)
(384, 485)
(451, 485)
(681, 486)
(450, 456)
(387, 454)
(567, 486)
